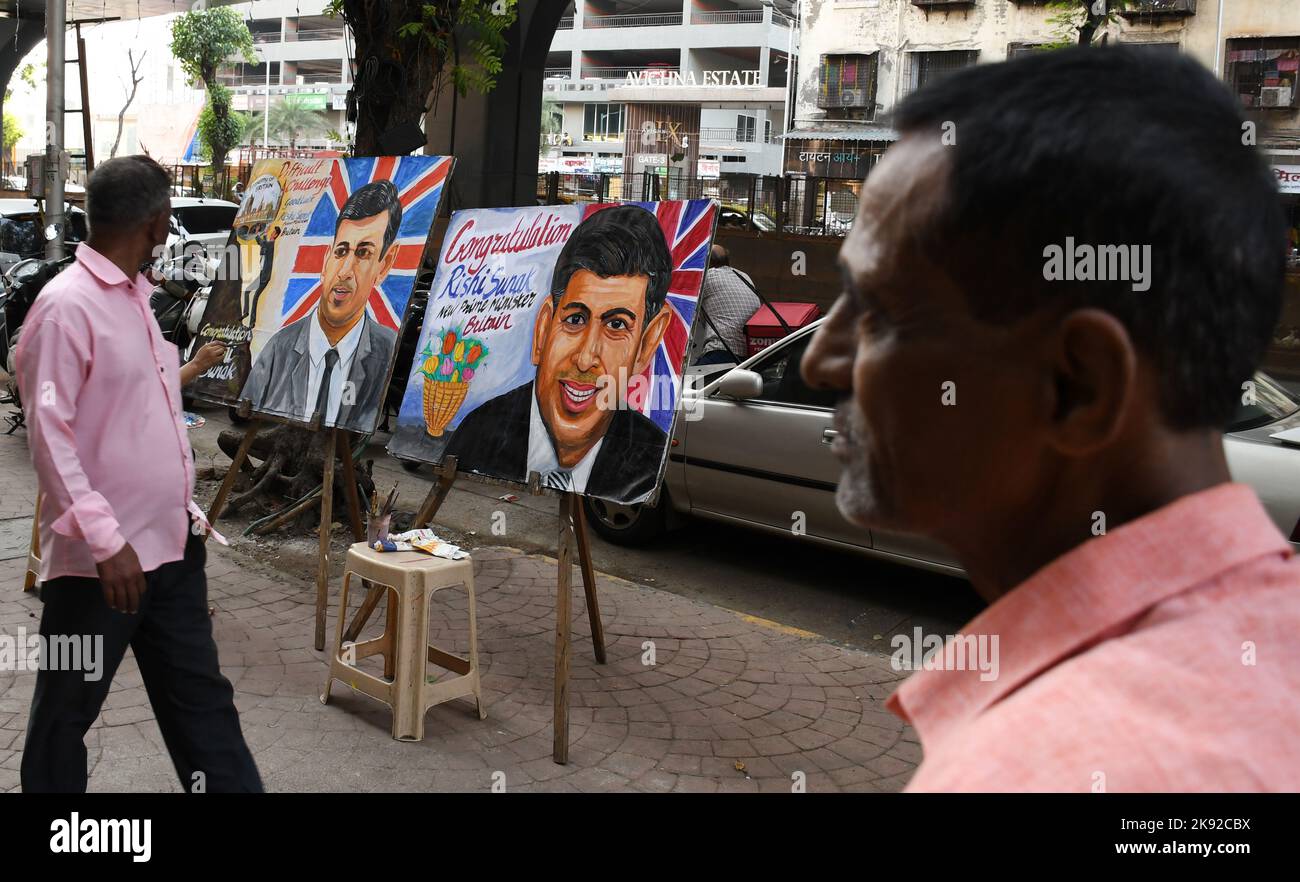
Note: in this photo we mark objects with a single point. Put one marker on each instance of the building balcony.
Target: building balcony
(620, 73)
(1150, 9)
(735, 16)
(727, 135)
(928, 5)
(651, 20)
(566, 24)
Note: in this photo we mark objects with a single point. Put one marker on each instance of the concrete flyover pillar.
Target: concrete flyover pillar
(494, 137)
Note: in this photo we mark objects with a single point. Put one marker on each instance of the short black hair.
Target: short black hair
(621, 241)
(1114, 146)
(370, 200)
(126, 191)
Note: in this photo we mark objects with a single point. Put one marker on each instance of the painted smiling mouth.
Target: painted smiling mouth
(341, 293)
(577, 396)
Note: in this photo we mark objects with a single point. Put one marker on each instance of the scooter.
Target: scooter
(22, 283)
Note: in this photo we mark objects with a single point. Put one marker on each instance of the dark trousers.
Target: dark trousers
(171, 637)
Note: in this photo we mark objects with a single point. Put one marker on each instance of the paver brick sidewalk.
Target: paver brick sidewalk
(730, 703)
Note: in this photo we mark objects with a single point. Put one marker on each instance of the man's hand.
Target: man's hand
(208, 355)
(123, 580)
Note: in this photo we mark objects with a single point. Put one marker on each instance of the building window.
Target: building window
(767, 131)
(602, 122)
(924, 68)
(1015, 50)
(1263, 71)
(745, 128)
(847, 81)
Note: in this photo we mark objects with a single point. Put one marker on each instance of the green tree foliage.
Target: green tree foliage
(203, 40)
(289, 121)
(1078, 22)
(13, 133)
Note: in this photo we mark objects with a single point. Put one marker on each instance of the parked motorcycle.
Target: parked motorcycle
(22, 283)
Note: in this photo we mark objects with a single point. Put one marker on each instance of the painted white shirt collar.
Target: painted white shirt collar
(317, 346)
(541, 453)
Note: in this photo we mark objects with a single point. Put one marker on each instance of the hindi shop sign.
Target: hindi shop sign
(829, 159)
(1288, 178)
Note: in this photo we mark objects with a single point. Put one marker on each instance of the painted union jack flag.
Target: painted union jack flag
(688, 230)
(419, 181)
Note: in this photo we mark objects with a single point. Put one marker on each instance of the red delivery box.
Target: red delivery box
(763, 328)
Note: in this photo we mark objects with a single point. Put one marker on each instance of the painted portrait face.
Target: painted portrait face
(597, 328)
(353, 267)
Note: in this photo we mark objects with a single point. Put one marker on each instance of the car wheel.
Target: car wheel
(626, 524)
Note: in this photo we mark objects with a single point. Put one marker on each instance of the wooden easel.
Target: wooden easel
(34, 550)
(572, 541)
(332, 444)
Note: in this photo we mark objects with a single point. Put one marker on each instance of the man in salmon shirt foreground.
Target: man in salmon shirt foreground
(1063, 434)
(121, 537)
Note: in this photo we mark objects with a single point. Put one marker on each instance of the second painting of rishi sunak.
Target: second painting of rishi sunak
(553, 344)
(328, 251)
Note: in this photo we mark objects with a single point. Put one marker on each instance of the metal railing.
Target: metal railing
(618, 73)
(267, 37)
(566, 23)
(652, 20)
(727, 135)
(315, 34)
(564, 72)
(737, 16)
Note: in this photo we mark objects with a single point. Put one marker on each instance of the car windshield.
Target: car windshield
(200, 219)
(1268, 402)
(21, 235)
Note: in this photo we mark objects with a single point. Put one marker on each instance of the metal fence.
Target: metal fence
(764, 203)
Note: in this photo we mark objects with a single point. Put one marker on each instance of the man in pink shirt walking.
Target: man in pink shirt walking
(1057, 288)
(122, 540)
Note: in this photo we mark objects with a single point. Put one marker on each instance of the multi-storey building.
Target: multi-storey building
(861, 57)
(689, 88)
(304, 57)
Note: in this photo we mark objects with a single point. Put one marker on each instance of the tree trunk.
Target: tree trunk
(395, 75)
(289, 463)
(1093, 21)
(135, 84)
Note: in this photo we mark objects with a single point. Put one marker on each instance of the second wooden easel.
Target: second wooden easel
(333, 441)
(572, 541)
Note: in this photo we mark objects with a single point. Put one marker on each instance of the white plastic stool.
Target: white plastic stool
(404, 645)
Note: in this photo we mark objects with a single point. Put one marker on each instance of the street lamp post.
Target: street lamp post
(266, 102)
(55, 22)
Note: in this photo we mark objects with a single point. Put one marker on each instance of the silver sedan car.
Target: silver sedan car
(758, 450)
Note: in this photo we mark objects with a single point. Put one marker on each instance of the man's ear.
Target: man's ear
(654, 334)
(544, 314)
(385, 263)
(1094, 375)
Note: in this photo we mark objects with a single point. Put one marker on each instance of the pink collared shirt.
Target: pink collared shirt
(101, 391)
(1162, 656)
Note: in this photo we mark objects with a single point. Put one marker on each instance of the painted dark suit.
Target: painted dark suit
(278, 381)
(493, 440)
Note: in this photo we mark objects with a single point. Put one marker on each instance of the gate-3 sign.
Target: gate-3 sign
(320, 269)
(553, 343)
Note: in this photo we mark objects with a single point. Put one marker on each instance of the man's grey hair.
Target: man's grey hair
(126, 191)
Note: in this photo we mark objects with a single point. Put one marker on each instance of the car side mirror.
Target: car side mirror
(740, 383)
